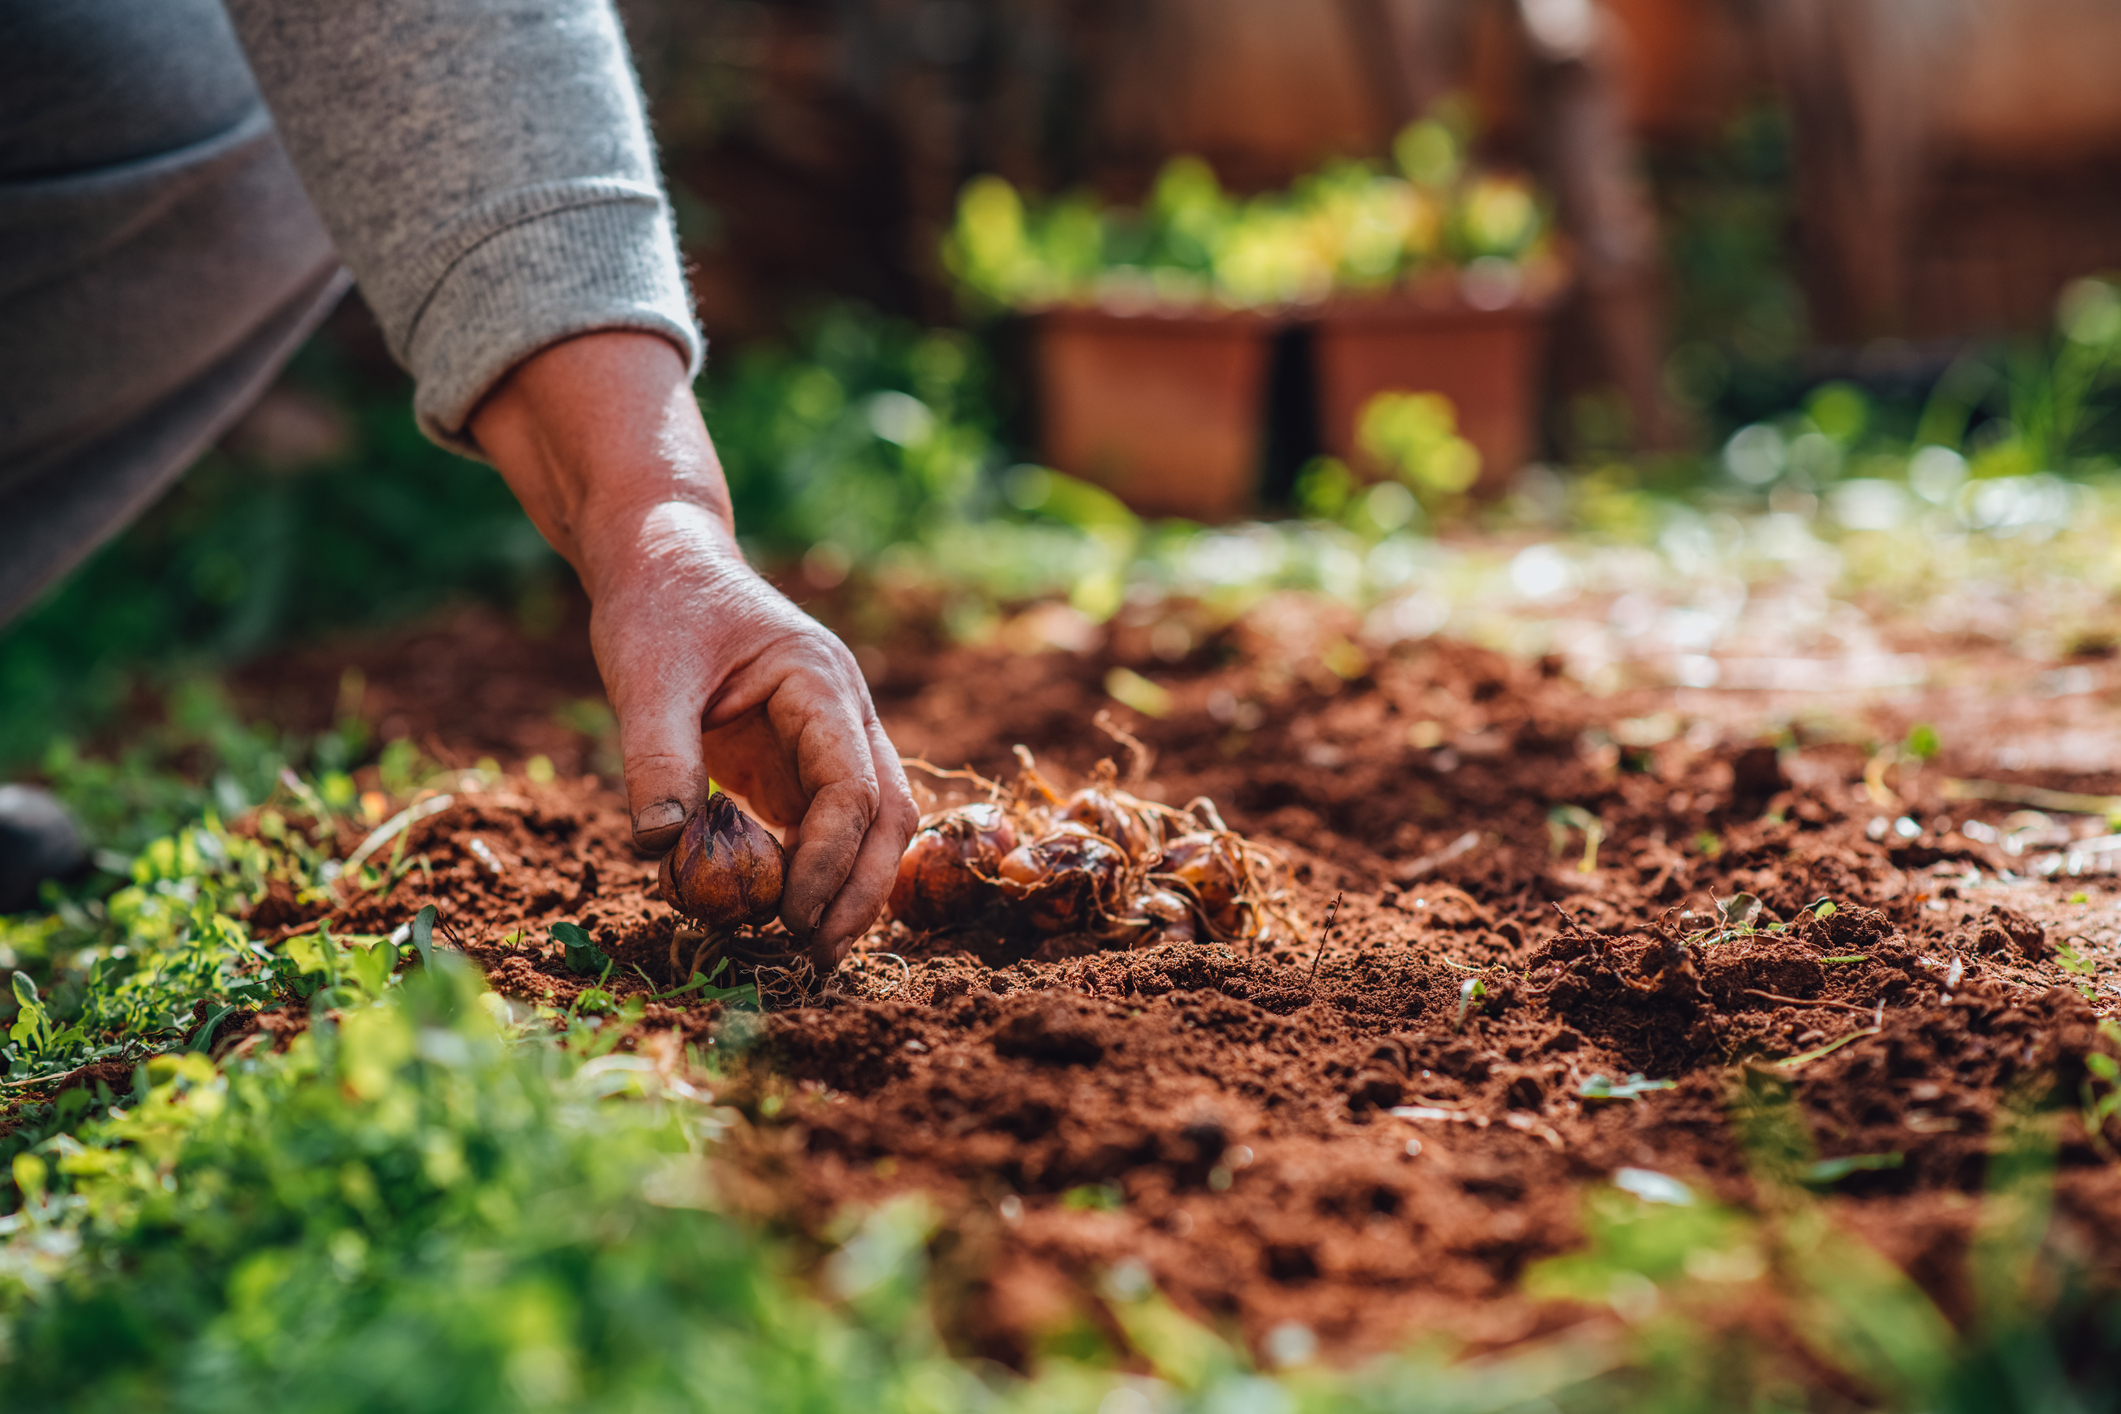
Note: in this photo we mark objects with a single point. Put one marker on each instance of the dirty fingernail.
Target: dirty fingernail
(659, 816)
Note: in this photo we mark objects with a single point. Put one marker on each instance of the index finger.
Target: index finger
(827, 725)
(868, 883)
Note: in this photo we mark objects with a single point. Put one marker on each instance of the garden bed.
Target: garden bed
(1368, 1134)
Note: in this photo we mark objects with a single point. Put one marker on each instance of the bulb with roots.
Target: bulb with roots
(1211, 867)
(1112, 814)
(1160, 916)
(726, 871)
(949, 873)
(1066, 881)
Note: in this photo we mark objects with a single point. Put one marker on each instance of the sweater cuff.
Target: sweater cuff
(609, 263)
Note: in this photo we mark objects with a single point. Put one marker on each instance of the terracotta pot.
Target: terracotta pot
(1163, 409)
(1485, 361)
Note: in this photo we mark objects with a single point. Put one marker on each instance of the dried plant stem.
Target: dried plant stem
(1325, 931)
(1138, 756)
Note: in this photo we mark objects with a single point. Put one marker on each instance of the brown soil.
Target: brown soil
(1223, 1113)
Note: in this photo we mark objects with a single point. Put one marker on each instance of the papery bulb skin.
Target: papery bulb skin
(1211, 868)
(1065, 881)
(1159, 916)
(948, 872)
(1102, 812)
(727, 870)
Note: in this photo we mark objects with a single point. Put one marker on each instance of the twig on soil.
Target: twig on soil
(1325, 930)
(1801, 1001)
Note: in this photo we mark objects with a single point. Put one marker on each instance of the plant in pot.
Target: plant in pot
(1154, 324)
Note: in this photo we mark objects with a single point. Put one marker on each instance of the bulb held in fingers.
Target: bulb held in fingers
(947, 875)
(727, 870)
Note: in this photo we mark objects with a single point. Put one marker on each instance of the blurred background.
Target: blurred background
(1026, 313)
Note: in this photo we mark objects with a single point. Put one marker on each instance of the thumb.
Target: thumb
(666, 779)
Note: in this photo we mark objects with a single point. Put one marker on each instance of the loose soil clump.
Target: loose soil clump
(1553, 958)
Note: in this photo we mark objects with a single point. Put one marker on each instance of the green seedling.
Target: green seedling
(1094, 1198)
(2100, 1095)
(584, 958)
(423, 934)
(1598, 1088)
(1804, 1058)
(1826, 1172)
(746, 994)
(1470, 992)
(1564, 819)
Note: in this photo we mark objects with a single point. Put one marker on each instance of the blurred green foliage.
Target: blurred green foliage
(1351, 225)
(866, 433)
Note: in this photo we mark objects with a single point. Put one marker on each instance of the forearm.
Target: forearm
(485, 170)
(602, 442)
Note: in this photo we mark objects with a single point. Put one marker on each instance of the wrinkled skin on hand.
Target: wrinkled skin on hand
(709, 668)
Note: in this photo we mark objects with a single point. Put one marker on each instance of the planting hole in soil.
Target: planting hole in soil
(1115, 1020)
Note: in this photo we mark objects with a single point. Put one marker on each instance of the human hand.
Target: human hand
(710, 669)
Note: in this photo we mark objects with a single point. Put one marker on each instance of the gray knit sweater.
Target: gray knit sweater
(180, 184)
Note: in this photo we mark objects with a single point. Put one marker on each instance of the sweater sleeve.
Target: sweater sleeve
(484, 167)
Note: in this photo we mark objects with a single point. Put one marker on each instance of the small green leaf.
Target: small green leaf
(307, 952)
(1094, 1198)
(1922, 743)
(423, 933)
(373, 965)
(584, 958)
(25, 992)
(204, 1040)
